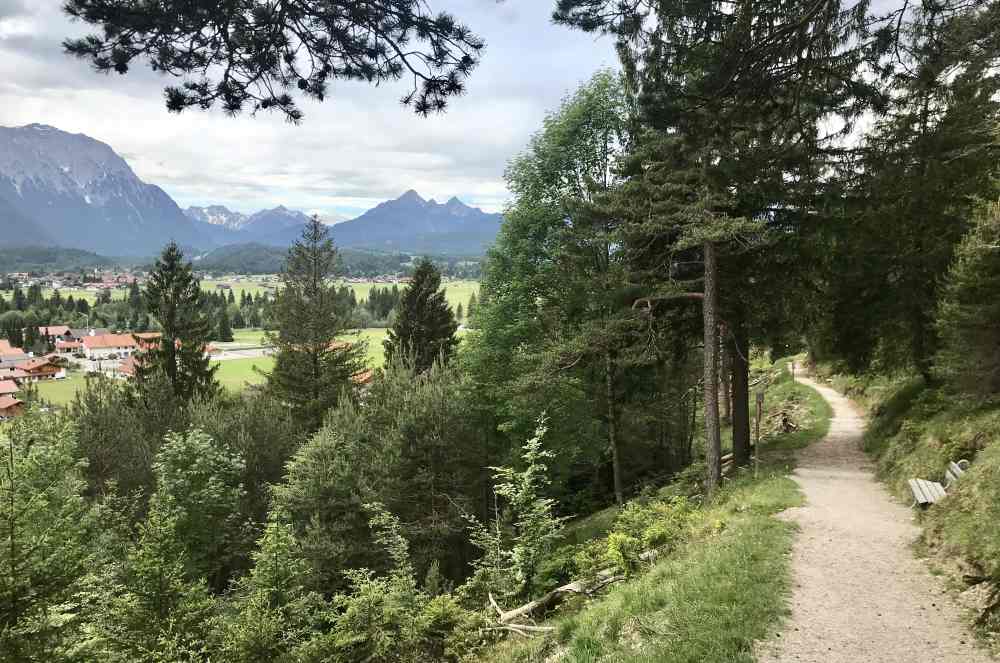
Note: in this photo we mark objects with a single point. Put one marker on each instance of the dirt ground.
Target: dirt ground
(859, 593)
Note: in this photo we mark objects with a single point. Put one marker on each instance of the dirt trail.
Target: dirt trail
(859, 594)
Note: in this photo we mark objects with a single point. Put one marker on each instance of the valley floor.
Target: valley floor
(859, 593)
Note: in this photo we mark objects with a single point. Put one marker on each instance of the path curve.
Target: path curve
(859, 595)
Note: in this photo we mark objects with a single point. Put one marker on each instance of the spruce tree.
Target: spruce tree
(225, 329)
(173, 296)
(968, 320)
(312, 371)
(424, 330)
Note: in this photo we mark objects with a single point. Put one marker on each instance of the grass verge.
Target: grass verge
(712, 597)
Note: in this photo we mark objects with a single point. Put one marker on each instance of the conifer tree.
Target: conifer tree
(424, 331)
(173, 295)
(225, 329)
(968, 320)
(312, 370)
(219, 48)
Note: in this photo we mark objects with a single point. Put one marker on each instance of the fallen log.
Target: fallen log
(559, 594)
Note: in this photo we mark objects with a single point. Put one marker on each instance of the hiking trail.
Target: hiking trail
(859, 594)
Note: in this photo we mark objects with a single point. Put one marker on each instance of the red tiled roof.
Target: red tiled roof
(128, 365)
(33, 365)
(364, 377)
(14, 374)
(8, 387)
(6, 347)
(104, 341)
(54, 330)
(8, 402)
(68, 345)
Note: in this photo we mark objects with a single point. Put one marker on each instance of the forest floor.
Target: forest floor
(859, 592)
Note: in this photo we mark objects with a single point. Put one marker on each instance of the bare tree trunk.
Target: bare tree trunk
(609, 386)
(741, 396)
(726, 367)
(710, 313)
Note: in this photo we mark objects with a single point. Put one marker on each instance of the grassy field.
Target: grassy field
(80, 293)
(458, 292)
(235, 374)
(253, 285)
(61, 392)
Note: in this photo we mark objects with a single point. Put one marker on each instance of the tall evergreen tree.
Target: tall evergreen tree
(312, 370)
(727, 149)
(224, 332)
(424, 331)
(173, 296)
(968, 319)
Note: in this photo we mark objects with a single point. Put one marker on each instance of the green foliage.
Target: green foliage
(258, 430)
(144, 607)
(275, 613)
(47, 537)
(120, 434)
(312, 371)
(416, 446)
(968, 319)
(388, 617)
(173, 296)
(517, 540)
(198, 482)
(424, 330)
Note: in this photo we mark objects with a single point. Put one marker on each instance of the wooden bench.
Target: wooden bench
(926, 492)
(954, 472)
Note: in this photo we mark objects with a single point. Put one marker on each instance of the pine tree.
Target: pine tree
(459, 313)
(968, 319)
(225, 329)
(424, 331)
(472, 308)
(312, 371)
(173, 295)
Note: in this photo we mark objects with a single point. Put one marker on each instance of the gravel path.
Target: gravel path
(859, 593)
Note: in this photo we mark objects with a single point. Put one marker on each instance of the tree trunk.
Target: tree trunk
(609, 386)
(741, 396)
(726, 366)
(713, 441)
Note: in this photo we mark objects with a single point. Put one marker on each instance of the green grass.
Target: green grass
(715, 596)
(236, 374)
(253, 337)
(79, 293)
(61, 392)
(252, 285)
(457, 292)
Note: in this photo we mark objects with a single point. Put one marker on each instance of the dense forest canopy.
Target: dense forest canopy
(759, 177)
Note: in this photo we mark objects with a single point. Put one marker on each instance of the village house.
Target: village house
(54, 333)
(8, 388)
(68, 347)
(10, 407)
(41, 369)
(79, 334)
(104, 345)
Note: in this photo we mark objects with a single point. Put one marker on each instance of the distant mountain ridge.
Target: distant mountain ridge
(72, 191)
(80, 194)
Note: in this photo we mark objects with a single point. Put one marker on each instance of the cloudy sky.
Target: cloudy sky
(352, 151)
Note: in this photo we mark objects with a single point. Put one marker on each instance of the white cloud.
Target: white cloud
(358, 148)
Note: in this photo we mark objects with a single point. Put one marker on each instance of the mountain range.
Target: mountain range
(72, 191)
